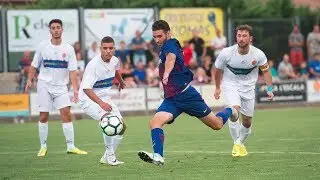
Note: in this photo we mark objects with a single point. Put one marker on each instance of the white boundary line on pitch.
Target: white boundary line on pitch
(174, 152)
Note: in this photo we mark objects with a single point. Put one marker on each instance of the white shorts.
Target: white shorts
(49, 96)
(245, 100)
(96, 112)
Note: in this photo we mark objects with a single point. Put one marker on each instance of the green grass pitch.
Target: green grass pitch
(284, 144)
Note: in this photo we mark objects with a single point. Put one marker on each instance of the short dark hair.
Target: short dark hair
(160, 25)
(107, 39)
(245, 27)
(55, 21)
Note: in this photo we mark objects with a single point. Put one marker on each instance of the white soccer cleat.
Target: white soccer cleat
(235, 114)
(153, 158)
(111, 160)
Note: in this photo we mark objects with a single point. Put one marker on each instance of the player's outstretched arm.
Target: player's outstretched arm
(219, 65)
(268, 79)
(218, 77)
(168, 66)
(105, 106)
(122, 83)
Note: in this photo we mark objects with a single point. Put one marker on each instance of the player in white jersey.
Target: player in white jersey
(238, 67)
(94, 94)
(57, 62)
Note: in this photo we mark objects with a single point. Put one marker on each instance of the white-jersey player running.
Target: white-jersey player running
(95, 96)
(238, 67)
(57, 62)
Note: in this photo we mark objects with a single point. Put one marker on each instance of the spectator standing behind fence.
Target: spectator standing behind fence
(93, 51)
(187, 53)
(207, 67)
(127, 75)
(218, 43)
(273, 71)
(138, 45)
(80, 65)
(123, 53)
(313, 41)
(21, 78)
(296, 43)
(140, 74)
(199, 46)
(152, 75)
(314, 66)
(154, 49)
(77, 47)
(285, 69)
(303, 71)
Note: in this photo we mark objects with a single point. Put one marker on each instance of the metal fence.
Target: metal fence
(270, 35)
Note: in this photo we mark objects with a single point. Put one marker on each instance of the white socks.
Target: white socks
(116, 141)
(234, 128)
(112, 143)
(69, 134)
(244, 133)
(43, 134)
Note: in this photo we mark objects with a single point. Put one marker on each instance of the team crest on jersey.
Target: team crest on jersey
(64, 55)
(254, 62)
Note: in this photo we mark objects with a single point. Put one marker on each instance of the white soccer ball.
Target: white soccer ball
(111, 125)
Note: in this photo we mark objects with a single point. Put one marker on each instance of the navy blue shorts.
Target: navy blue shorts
(189, 101)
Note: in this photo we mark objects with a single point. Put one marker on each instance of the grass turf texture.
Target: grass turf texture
(284, 145)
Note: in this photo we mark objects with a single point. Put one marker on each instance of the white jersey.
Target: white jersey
(240, 71)
(99, 76)
(55, 62)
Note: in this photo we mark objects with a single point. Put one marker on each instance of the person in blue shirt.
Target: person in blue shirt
(179, 96)
(314, 66)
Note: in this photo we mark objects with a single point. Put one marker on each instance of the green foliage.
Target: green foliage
(239, 8)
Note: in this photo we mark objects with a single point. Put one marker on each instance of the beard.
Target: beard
(243, 45)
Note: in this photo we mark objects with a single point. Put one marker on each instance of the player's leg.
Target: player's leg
(43, 132)
(111, 142)
(232, 98)
(166, 114)
(246, 111)
(45, 102)
(191, 102)
(63, 103)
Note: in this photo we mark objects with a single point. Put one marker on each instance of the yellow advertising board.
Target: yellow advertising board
(183, 21)
(14, 105)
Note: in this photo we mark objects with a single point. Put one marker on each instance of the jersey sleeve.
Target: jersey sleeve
(262, 59)
(72, 61)
(118, 64)
(36, 62)
(221, 60)
(170, 48)
(89, 78)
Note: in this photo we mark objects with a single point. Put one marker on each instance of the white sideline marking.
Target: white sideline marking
(175, 152)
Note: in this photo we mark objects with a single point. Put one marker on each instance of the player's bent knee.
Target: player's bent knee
(44, 116)
(217, 127)
(237, 107)
(246, 121)
(160, 119)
